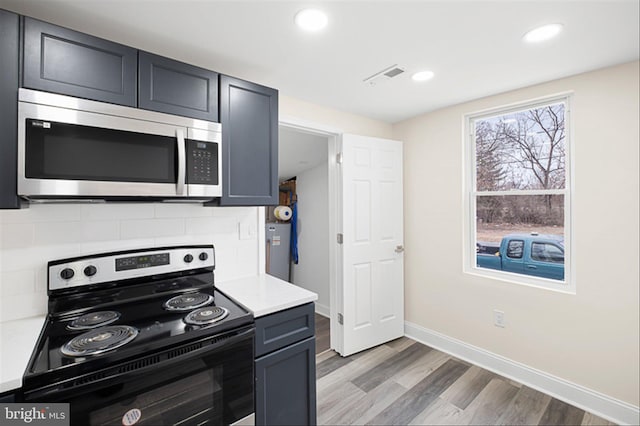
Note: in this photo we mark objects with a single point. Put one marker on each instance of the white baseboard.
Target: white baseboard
(323, 310)
(599, 404)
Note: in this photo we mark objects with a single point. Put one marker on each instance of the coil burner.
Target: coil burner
(99, 340)
(206, 315)
(94, 320)
(187, 302)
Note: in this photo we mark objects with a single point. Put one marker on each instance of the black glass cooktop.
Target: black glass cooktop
(142, 307)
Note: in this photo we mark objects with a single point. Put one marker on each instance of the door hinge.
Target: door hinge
(339, 158)
(340, 237)
(340, 319)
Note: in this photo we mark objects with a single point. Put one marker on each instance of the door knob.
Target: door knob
(399, 249)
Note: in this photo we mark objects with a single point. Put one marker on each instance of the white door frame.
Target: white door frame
(334, 210)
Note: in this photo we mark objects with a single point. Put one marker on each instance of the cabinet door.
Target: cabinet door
(60, 60)
(177, 88)
(283, 328)
(286, 386)
(9, 45)
(249, 118)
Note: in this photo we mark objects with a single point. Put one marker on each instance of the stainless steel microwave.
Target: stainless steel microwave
(77, 149)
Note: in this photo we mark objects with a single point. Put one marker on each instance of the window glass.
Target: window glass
(515, 249)
(518, 190)
(521, 150)
(546, 252)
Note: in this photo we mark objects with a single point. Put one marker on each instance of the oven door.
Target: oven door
(209, 382)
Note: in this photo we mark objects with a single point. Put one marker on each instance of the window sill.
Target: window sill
(565, 287)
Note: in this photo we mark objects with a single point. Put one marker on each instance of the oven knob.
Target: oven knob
(188, 258)
(67, 274)
(203, 256)
(90, 270)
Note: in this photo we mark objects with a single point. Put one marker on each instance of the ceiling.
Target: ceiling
(299, 151)
(473, 47)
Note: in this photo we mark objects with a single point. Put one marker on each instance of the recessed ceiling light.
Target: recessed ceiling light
(542, 33)
(311, 19)
(422, 76)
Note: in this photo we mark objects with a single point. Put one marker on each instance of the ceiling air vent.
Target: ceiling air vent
(384, 75)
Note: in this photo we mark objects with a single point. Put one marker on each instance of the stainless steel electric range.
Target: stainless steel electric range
(143, 337)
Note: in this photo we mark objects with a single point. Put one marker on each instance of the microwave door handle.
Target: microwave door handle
(182, 162)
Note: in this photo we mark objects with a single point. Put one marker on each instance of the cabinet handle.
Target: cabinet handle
(399, 249)
(182, 162)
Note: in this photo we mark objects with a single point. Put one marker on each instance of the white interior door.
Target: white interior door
(372, 281)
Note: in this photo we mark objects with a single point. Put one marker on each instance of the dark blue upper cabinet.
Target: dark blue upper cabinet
(177, 88)
(64, 61)
(249, 118)
(9, 48)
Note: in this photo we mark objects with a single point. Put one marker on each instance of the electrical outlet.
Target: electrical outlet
(498, 318)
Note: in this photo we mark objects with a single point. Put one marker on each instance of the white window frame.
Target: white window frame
(568, 285)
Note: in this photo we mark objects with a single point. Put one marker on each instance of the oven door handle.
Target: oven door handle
(173, 356)
(143, 365)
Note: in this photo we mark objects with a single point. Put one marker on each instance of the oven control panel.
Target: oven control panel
(144, 261)
(111, 267)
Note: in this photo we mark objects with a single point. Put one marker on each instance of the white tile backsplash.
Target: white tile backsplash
(181, 210)
(233, 211)
(43, 213)
(31, 237)
(92, 247)
(117, 211)
(50, 233)
(102, 230)
(226, 225)
(15, 283)
(146, 228)
(34, 256)
(16, 235)
(22, 306)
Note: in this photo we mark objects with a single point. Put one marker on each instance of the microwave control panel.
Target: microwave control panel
(202, 162)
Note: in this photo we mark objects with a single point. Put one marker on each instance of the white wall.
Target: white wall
(591, 338)
(30, 237)
(312, 270)
(339, 121)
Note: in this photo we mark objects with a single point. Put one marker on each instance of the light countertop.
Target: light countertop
(17, 340)
(264, 294)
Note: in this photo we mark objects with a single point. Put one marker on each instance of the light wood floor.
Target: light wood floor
(407, 383)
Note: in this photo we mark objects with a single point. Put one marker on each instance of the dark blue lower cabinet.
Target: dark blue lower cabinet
(286, 385)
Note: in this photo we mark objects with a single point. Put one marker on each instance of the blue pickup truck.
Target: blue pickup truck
(530, 254)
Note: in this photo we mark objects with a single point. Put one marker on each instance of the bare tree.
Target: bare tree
(536, 143)
(489, 171)
(523, 150)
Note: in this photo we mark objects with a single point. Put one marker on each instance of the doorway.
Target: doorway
(364, 239)
(304, 165)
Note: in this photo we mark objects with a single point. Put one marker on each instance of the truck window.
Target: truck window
(546, 252)
(515, 249)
